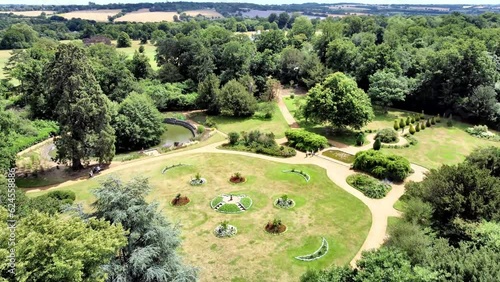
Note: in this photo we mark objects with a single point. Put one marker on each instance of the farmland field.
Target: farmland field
(207, 13)
(96, 15)
(144, 15)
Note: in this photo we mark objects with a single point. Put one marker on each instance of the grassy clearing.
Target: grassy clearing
(322, 210)
(149, 51)
(277, 124)
(4, 57)
(339, 156)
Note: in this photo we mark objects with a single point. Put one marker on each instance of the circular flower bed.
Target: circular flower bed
(231, 203)
(197, 182)
(237, 178)
(225, 230)
(284, 202)
(275, 227)
(179, 201)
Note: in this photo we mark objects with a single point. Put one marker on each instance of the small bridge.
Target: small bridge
(182, 123)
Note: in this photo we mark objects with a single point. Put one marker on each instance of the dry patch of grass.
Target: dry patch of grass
(4, 57)
(28, 13)
(144, 15)
(322, 210)
(207, 13)
(96, 15)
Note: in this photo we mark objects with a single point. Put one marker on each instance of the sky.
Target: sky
(426, 2)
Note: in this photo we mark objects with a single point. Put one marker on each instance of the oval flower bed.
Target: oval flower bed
(275, 227)
(284, 202)
(197, 180)
(179, 201)
(323, 249)
(299, 172)
(231, 203)
(368, 185)
(225, 230)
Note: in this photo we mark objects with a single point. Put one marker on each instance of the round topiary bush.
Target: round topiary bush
(412, 129)
(396, 125)
(377, 144)
(387, 135)
(417, 128)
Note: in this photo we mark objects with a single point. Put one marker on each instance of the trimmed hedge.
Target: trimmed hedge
(305, 141)
(387, 135)
(382, 165)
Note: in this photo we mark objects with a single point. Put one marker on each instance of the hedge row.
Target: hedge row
(382, 166)
(305, 141)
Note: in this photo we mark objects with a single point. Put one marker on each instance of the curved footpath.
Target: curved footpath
(337, 171)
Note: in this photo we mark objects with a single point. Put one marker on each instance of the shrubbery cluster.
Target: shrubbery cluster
(305, 141)
(382, 165)
(258, 142)
(387, 135)
(481, 131)
(371, 187)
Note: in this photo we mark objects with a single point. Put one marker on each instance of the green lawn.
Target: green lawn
(149, 50)
(277, 124)
(322, 210)
(437, 145)
(4, 57)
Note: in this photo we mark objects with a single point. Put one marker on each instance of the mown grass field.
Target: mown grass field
(437, 145)
(322, 210)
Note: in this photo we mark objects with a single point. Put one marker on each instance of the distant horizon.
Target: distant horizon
(261, 2)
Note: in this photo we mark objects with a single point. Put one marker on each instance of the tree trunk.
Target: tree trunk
(76, 164)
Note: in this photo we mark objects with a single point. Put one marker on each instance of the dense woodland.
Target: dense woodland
(98, 103)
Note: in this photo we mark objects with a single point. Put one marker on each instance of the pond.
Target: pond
(175, 133)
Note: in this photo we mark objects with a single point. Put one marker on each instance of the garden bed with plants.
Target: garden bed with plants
(225, 230)
(197, 180)
(369, 186)
(275, 227)
(180, 201)
(231, 203)
(481, 131)
(323, 249)
(284, 202)
(259, 143)
(165, 169)
(237, 178)
(339, 156)
(306, 176)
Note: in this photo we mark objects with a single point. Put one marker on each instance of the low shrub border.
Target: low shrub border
(411, 142)
(172, 166)
(369, 186)
(300, 172)
(323, 249)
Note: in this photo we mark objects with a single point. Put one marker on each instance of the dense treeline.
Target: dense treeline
(449, 232)
(446, 64)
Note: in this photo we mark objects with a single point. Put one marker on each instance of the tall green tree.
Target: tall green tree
(58, 247)
(483, 104)
(340, 102)
(138, 124)
(235, 100)
(82, 110)
(386, 88)
(150, 254)
(139, 66)
(18, 36)
(123, 40)
(208, 92)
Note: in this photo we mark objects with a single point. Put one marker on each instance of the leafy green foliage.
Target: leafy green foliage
(60, 247)
(145, 257)
(386, 88)
(138, 123)
(233, 137)
(340, 102)
(18, 36)
(412, 129)
(258, 142)
(371, 187)
(235, 100)
(486, 158)
(306, 141)
(382, 165)
(387, 135)
(83, 111)
(123, 40)
(377, 144)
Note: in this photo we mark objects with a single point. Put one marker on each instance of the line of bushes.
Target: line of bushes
(305, 141)
(258, 142)
(382, 166)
